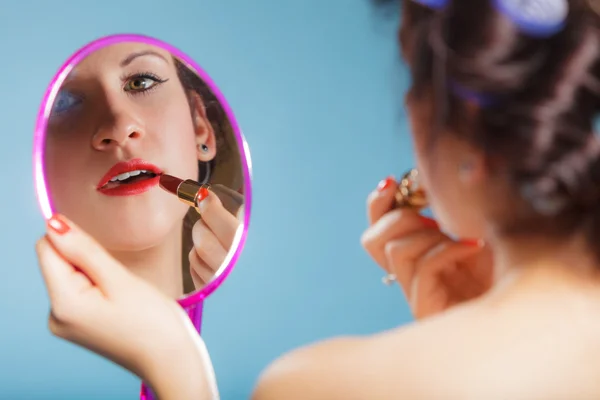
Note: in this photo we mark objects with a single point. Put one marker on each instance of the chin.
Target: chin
(132, 238)
(448, 222)
(460, 229)
(134, 230)
(122, 244)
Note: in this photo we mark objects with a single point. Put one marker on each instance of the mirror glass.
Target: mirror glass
(122, 114)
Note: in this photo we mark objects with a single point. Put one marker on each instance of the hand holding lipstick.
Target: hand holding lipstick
(214, 232)
(434, 271)
(213, 236)
(98, 304)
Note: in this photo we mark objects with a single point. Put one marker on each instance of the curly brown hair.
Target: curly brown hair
(539, 132)
(227, 149)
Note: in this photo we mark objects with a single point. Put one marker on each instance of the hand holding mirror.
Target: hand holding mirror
(124, 112)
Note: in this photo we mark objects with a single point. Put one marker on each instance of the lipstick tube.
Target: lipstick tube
(188, 191)
(410, 194)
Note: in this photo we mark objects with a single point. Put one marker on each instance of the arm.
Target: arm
(184, 373)
(100, 306)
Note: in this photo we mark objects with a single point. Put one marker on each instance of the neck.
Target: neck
(542, 262)
(159, 265)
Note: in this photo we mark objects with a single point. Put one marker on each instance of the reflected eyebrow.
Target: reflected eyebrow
(127, 60)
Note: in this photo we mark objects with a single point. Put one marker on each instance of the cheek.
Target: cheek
(439, 180)
(177, 138)
(63, 162)
(67, 179)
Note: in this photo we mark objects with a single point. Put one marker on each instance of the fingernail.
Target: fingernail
(473, 242)
(386, 183)
(202, 194)
(58, 225)
(430, 223)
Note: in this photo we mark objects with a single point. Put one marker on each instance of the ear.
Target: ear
(473, 164)
(205, 134)
(472, 167)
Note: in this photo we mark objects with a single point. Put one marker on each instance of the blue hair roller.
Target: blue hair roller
(433, 4)
(535, 18)
(480, 99)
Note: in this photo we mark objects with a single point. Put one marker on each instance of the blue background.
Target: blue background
(317, 88)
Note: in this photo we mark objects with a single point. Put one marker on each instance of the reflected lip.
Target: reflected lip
(128, 166)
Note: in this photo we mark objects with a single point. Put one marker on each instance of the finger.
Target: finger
(381, 199)
(473, 273)
(200, 271)
(62, 281)
(198, 282)
(393, 225)
(83, 252)
(56, 272)
(402, 255)
(240, 215)
(207, 246)
(443, 256)
(218, 219)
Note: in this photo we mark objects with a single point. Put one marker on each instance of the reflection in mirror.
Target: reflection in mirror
(140, 153)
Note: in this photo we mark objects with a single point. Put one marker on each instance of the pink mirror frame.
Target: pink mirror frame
(192, 303)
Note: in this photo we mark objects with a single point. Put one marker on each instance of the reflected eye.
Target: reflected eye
(142, 82)
(64, 101)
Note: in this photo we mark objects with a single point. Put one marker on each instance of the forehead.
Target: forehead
(119, 56)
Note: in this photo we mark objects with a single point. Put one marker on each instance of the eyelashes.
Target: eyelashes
(136, 84)
(142, 83)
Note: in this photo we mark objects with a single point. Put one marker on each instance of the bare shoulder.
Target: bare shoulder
(375, 367)
(410, 362)
(470, 352)
(316, 371)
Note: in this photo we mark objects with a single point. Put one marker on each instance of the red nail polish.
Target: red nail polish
(202, 194)
(58, 225)
(386, 183)
(473, 242)
(429, 223)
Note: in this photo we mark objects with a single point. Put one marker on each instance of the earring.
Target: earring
(465, 166)
(203, 147)
(465, 170)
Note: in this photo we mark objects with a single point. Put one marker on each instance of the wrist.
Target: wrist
(180, 368)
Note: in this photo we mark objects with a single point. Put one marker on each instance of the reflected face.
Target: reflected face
(121, 117)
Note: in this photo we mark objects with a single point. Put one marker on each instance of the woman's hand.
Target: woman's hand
(213, 236)
(98, 304)
(434, 271)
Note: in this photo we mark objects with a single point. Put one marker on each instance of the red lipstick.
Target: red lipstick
(129, 178)
(189, 192)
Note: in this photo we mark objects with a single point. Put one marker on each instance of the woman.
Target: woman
(133, 106)
(520, 173)
(502, 121)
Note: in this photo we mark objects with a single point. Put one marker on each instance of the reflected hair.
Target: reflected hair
(538, 133)
(216, 115)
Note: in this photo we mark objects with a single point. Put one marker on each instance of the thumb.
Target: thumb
(221, 222)
(84, 253)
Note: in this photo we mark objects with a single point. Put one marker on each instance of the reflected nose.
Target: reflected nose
(117, 132)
